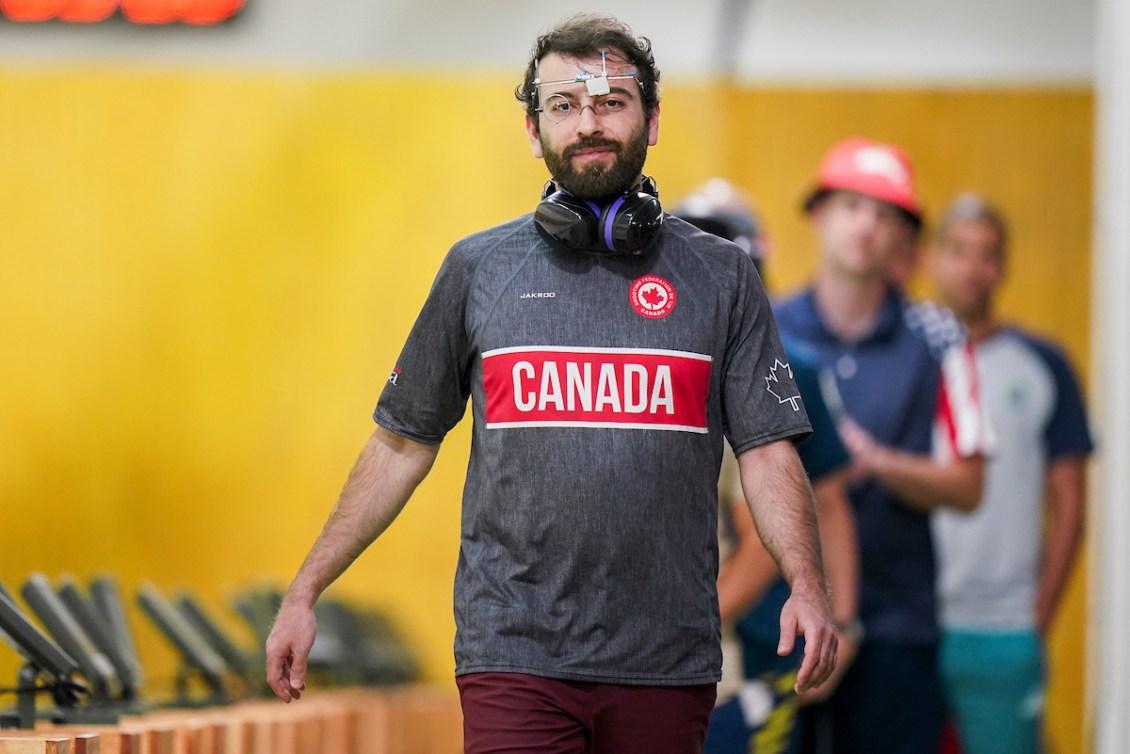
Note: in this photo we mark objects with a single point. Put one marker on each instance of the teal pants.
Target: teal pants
(994, 686)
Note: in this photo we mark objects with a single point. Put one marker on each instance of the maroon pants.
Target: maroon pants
(514, 712)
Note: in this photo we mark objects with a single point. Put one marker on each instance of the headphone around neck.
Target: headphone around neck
(626, 225)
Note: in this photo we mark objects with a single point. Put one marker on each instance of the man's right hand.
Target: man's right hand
(382, 480)
(288, 647)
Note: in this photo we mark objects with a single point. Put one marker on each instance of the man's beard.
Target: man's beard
(594, 181)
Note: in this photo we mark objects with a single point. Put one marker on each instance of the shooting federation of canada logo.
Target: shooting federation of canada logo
(652, 296)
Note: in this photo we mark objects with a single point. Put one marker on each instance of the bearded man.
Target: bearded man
(607, 350)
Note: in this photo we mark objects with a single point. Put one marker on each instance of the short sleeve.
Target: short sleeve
(427, 391)
(760, 396)
(1067, 432)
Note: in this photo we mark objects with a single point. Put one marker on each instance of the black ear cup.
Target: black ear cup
(568, 220)
(626, 225)
(630, 223)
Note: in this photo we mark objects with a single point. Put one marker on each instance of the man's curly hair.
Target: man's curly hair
(585, 35)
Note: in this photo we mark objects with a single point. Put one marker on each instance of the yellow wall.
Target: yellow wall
(205, 278)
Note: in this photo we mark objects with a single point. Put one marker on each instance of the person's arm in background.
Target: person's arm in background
(383, 478)
(840, 546)
(1064, 515)
(749, 571)
(952, 476)
(781, 503)
(1067, 439)
(921, 482)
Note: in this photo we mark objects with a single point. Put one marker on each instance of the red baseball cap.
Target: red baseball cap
(881, 171)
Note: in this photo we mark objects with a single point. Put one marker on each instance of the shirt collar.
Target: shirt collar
(887, 324)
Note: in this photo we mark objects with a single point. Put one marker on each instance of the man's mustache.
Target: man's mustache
(592, 143)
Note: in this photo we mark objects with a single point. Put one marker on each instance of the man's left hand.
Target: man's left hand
(809, 616)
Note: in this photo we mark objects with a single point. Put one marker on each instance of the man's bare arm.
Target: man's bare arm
(780, 499)
(840, 545)
(925, 484)
(919, 481)
(1066, 489)
(750, 570)
(383, 478)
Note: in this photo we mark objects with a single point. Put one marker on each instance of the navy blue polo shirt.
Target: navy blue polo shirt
(888, 382)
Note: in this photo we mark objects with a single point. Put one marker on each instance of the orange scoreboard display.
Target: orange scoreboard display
(198, 12)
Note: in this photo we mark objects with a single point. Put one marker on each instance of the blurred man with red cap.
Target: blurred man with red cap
(904, 387)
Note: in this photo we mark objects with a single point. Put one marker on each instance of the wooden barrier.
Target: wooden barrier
(113, 739)
(204, 731)
(399, 720)
(424, 721)
(12, 742)
(80, 742)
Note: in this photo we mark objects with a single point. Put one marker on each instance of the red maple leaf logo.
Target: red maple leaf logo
(653, 296)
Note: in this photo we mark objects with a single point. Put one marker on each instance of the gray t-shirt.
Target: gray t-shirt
(989, 560)
(601, 390)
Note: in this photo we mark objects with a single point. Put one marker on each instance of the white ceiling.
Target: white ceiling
(818, 41)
